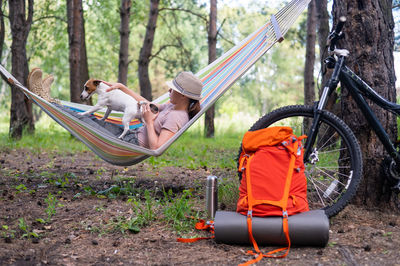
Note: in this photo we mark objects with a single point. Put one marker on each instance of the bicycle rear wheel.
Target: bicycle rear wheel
(334, 168)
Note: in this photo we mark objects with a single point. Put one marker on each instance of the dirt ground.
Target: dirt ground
(357, 236)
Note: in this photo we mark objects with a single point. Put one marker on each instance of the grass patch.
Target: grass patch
(48, 136)
(193, 151)
(179, 210)
(228, 192)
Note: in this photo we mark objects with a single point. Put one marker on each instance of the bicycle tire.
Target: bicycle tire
(329, 186)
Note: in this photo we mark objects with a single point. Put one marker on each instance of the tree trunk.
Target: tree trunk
(2, 29)
(21, 108)
(124, 31)
(323, 29)
(145, 51)
(370, 39)
(212, 55)
(79, 72)
(84, 73)
(323, 33)
(309, 84)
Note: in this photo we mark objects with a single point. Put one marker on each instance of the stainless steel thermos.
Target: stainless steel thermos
(211, 196)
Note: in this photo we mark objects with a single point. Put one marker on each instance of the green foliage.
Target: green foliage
(7, 232)
(52, 203)
(123, 224)
(25, 229)
(144, 212)
(218, 152)
(20, 188)
(396, 14)
(47, 45)
(176, 211)
(179, 212)
(277, 78)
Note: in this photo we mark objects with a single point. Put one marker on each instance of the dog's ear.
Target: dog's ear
(96, 82)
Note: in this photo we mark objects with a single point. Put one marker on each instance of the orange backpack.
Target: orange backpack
(273, 180)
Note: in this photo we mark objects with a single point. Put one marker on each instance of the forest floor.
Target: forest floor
(77, 231)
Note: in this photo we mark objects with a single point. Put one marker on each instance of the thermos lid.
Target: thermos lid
(211, 180)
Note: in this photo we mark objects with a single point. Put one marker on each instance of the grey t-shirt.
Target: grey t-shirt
(168, 118)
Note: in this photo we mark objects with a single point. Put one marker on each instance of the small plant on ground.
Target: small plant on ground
(52, 204)
(23, 226)
(7, 232)
(123, 224)
(144, 212)
(179, 212)
(21, 188)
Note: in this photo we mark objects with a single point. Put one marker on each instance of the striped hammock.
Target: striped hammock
(217, 78)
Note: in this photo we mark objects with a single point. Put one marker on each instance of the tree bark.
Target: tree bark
(145, 51)
(309, 84)
(212, 55)
(21, 108)
(124, 31)
(370, 40)
(79, 71)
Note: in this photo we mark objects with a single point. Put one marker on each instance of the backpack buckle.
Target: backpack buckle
(249, 214)
(299, 151)
(285, 214)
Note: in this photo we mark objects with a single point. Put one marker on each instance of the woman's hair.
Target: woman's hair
(193, 108)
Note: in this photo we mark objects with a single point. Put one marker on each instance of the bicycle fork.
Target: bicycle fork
(318, 108)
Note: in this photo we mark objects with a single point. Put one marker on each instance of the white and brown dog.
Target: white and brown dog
(115, 100)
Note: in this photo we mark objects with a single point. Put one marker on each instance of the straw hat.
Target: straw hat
(188, 84)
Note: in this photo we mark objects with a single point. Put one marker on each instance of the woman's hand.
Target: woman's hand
(147, 114)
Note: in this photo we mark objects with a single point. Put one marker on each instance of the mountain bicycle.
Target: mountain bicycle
(332, 154)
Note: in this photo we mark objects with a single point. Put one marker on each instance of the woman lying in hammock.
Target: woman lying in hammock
(184, 93)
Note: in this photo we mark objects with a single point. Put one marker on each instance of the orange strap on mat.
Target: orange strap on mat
(200, 225)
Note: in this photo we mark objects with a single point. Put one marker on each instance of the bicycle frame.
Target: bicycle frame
(358, 89)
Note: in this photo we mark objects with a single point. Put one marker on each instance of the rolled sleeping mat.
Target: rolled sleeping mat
(305, 229)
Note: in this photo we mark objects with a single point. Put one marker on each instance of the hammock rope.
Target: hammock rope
(217, 78)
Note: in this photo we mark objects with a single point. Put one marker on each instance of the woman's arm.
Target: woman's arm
(155, 141)
(125, 89)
